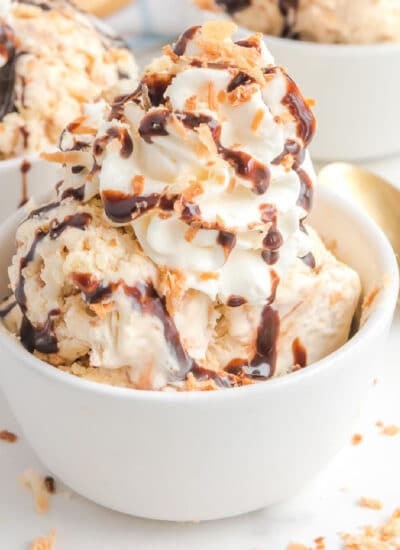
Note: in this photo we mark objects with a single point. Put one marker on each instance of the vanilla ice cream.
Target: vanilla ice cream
(53, 58)
(175, 254)
(330, 21)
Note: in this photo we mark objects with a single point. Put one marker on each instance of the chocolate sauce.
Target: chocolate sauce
(227, 240)
(93, 291)
(7, 71)
(249, 43)
(298, 108)
(77, 169)
(223, 381)
(155, 85)
(24, 168)
(266, 343)
(19, 293)
(77, 193)
(294, 149)
(182, 42)
(190, 212)
(305, 199)
(122, 207)
(115, 132)
(46, 208)
(4, 311)
(149, 302)
(40, 338)
(42, 5)
(289, 9)
(273, 240)
(236, 301)
(78, 221)
(233, 6)
(309, 260)
(239, 80)
(244, 164)
(299, 354)
(153, 124)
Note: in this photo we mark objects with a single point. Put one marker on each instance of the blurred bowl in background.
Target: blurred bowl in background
(356, 88)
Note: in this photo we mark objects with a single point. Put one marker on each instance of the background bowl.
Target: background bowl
(357, 94)
(24, 178)
(198, 456)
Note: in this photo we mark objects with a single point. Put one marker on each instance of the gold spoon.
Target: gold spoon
(376, 196)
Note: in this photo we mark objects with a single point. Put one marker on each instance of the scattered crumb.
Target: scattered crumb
(44, 543)
(319, 545)
(50, 484)
(7, 436)
(384, 537)
(41, 488)
(379, 424)
(391, 430)
(371, 503)
(356, 439)
(370, 298)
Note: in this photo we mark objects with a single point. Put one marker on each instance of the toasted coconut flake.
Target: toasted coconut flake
(35, 483)
(7, 436)
(206, 139)
(356, 439)
(370, 298)
(44, 543)
(371, 503)
(190, 103)
(211, 96)
(191, 233)
(216, 31)
(169, 52)
(64, 157)
(138, 184)
(100, 310)
(390, 430)
(258, 118)
(207, 275)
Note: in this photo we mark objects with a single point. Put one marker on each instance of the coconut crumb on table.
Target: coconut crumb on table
(8, 437)
(371, 503)
(384, 537)
(44, 543)
(319, 545)
(41, 488)
(390, 430)
(356, 439)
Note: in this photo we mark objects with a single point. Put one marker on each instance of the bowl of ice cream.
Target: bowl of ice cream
(53, 58)
(174, 298)
(342, 54)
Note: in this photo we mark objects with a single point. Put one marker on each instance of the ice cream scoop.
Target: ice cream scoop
(176, 252)
(329, 21)
(53, 58)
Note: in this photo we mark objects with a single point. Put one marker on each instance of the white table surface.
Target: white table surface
(325, 508)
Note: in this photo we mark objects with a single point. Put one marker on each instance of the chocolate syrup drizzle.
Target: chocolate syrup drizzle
(299, 354)
(182, 42)
(7, 71)
(288, 9)
(233, 6)
(4, 311)
(42, 338)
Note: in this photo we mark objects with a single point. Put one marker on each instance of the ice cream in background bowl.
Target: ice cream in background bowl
(53, 58)
(180, 226)
(342, 53)
(176, 256)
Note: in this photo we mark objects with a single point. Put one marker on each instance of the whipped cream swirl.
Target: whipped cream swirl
(207, 161)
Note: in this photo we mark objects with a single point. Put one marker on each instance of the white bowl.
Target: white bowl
(357, 92)
(198, 456)
(39, 179)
